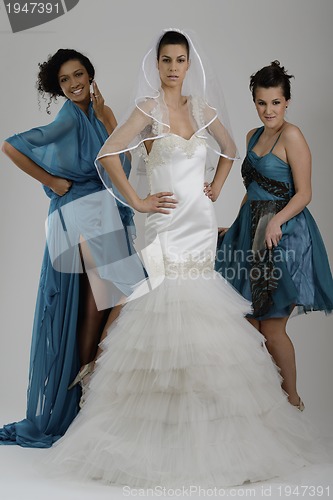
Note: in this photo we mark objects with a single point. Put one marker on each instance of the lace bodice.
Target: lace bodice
(187, 235)
(162, 150)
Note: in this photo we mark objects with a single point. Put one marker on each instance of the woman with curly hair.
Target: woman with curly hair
(81, 278)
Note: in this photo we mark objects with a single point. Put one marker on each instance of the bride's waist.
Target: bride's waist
(195, 199)
(188, 266)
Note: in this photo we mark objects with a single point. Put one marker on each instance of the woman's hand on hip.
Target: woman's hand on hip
(157, 203)
(211, 191)
(60, 186)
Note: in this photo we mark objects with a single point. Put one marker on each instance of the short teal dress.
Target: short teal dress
(297, 271)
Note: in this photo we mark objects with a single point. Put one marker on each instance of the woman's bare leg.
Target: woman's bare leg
(91, 322)
(115, 311)
(282, 351)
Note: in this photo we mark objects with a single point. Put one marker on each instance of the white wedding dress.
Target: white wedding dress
(185, 392)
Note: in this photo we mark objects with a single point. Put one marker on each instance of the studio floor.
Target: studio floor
(22, 478)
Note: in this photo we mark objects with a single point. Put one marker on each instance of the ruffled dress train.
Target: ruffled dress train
(185, 391)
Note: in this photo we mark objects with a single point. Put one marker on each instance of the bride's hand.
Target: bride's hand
(158, 203)
(211, 191)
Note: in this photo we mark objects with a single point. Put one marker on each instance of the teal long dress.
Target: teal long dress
(67, 148)
(297, 271)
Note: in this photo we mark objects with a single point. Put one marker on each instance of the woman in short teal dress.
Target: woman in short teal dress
(273, 253)
(82, 276)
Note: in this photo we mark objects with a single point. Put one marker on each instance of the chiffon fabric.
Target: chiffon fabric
(185, 392)
(297, 271)
(148, 116)
(67, 148)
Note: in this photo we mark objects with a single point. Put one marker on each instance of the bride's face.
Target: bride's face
(172, 65)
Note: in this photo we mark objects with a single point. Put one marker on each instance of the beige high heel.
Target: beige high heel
(300, 405)
(86, 369)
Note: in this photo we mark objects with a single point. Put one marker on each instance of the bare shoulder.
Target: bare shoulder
(109, 115)
(295, 145)
(250, 134)
(292, 133)
(109, 112)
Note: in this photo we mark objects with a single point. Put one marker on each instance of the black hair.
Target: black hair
(172, 38)
(47, 80)
(273, 75)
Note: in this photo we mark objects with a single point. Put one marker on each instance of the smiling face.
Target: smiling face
(271, 106)
(74, 82)
(172, 65)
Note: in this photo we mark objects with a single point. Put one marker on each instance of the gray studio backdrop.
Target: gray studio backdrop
(239, 36)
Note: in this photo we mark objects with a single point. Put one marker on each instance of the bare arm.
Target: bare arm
(108, 119)
(222, 171)
(223, 230)
(248, 137)
(158, 202)
(220, 134)
(108, 157)
(299, 159)
(103, 113)
(59, 185)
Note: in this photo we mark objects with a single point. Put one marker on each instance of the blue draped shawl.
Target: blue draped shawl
(67, 148)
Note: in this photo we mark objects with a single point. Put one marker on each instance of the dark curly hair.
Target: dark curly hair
(172, 38)
(273, 75)
(47, 80)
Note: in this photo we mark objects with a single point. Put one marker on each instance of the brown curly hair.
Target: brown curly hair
(47, 80)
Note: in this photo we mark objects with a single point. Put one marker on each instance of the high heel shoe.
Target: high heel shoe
(86, 369)
(300, 405)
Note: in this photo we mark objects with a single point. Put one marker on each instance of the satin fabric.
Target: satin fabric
(181, 236)
(184, 392)
(67, 148)
(301, 258)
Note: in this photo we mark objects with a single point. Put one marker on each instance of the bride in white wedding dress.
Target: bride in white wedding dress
(184, 392)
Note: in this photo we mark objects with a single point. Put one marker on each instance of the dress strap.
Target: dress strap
(254, 138)
(276, 141)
